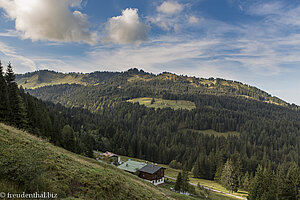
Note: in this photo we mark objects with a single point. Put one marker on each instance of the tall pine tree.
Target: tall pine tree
(256, 189)
(68, 138)
(178, 185)
(263, 186)
(17, 115)
(185, 181)
(4, 108)
(196, 169)
(229, 178)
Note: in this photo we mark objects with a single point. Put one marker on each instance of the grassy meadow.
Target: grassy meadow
(215, 133)
(33, 82)
(163, 103)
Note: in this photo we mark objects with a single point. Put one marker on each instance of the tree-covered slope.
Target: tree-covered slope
(31, 164)
(144, 84)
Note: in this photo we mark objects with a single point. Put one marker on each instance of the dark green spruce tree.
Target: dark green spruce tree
(246, 181)
(263, 186)
(293, 181)
(4, 108)
(178, 185)
(283, 190)
(256, 189)
(17, 115)
(68, 138)
(196, 169)
(229, 178)
(185, 181)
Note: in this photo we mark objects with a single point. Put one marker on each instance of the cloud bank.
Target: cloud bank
(126, 28)
(49, 20)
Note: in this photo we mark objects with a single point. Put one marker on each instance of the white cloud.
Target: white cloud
(49, 20)
(265, 8)
(170, 7)
(277, 13)
(165, 23)
(166, 18)
(193, 20)
(10, 33)
(126, 28)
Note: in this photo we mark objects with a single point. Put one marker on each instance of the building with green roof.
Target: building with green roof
(132, 166)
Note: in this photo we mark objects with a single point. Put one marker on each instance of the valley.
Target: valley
(224, 135)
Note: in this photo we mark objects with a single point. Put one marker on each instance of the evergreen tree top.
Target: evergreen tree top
(1, 68)
(10, 75)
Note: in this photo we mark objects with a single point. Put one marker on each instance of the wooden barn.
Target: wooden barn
(153, 174)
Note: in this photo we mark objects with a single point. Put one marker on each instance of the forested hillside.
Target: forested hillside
(267, 129)
(137, 83)
(48, 121)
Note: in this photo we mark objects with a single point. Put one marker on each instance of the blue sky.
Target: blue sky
(256, 42)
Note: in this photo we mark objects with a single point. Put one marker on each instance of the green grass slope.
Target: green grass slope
(42, 78)
(163, 103)
(30, 164)
(214, 133)
(48, 78)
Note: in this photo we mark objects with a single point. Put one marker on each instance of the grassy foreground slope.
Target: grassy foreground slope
(31, 164)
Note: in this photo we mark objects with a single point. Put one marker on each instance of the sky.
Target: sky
(256, 42)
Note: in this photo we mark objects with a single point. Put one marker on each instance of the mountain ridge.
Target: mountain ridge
(217, 86)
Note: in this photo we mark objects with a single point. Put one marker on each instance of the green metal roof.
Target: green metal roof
(131, 166)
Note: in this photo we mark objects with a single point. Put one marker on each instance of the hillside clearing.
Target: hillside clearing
(163, 103)
(214, 133)
(33, 82)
